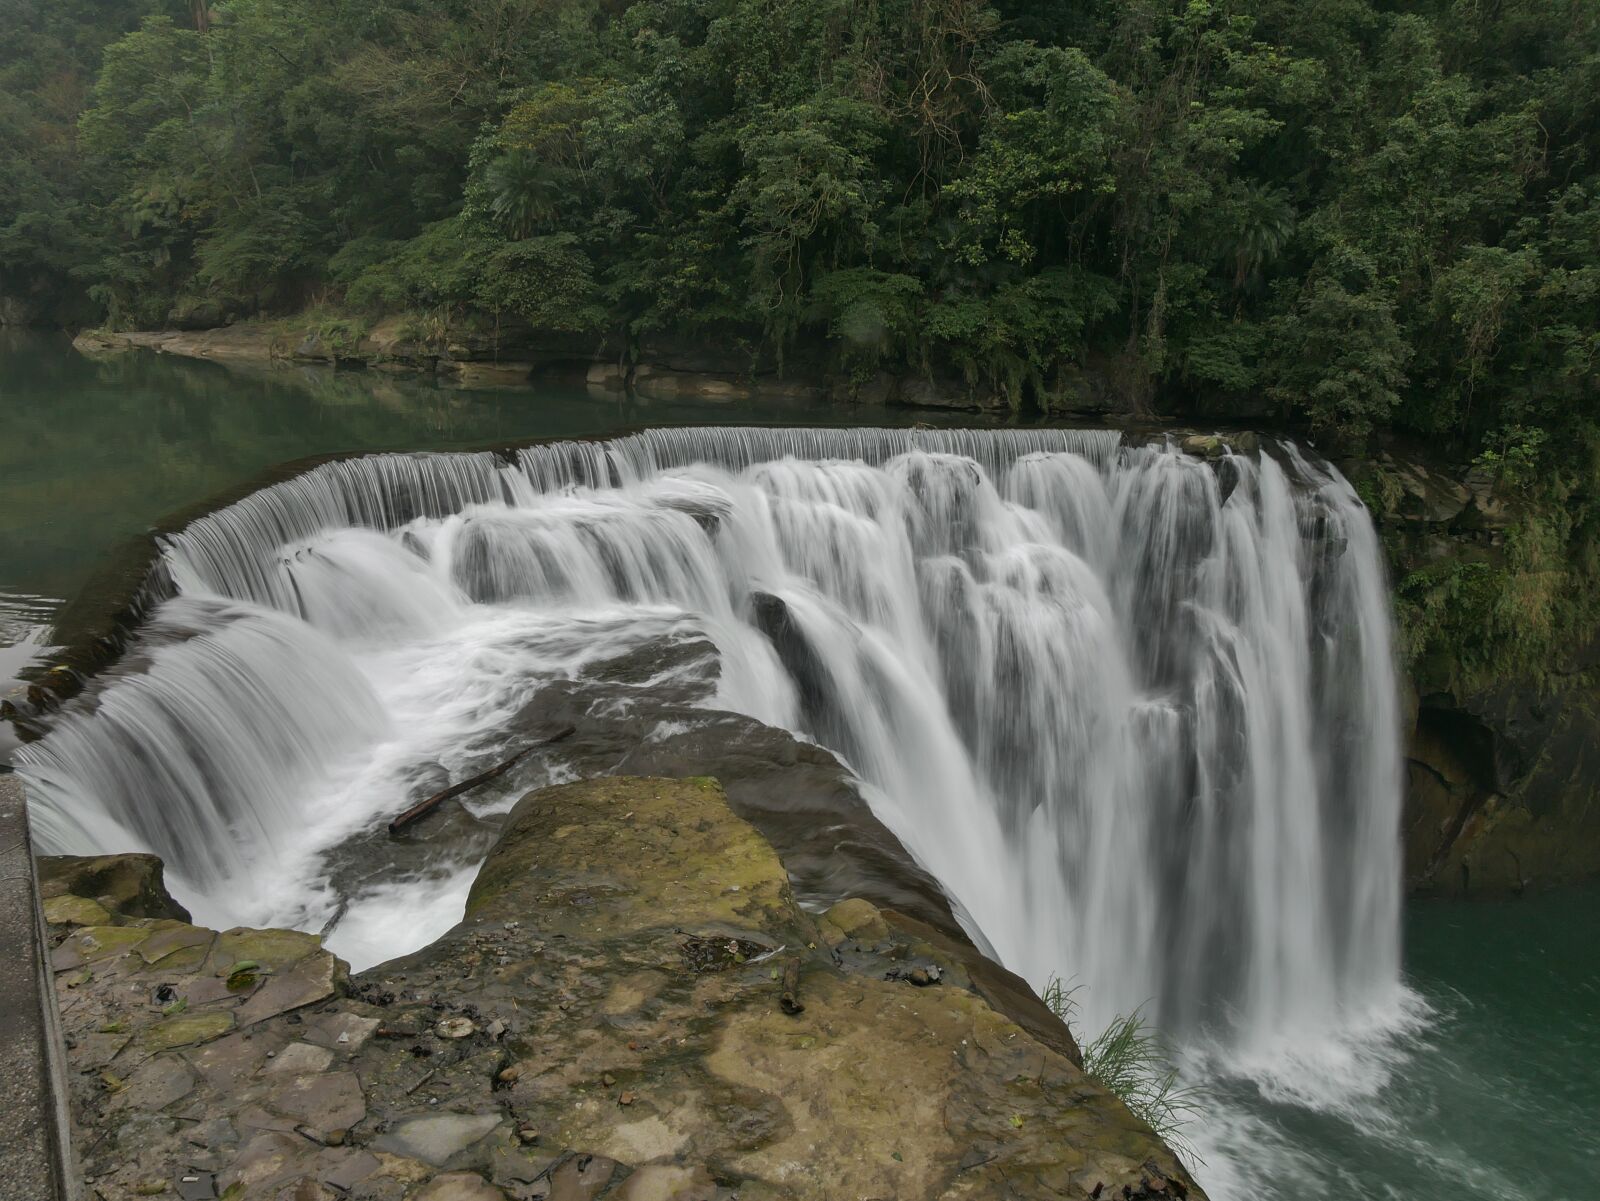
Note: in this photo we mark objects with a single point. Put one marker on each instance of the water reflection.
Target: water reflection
(24, 626)
(24, 641)
(95, 451)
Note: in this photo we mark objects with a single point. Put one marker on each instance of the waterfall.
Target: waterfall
(1134, 709)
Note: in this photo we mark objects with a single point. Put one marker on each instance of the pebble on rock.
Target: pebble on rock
(455, 1028)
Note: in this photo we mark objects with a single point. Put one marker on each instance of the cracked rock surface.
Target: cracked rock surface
(633, 1008)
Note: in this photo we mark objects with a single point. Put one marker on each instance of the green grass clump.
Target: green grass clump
(1129, 1060)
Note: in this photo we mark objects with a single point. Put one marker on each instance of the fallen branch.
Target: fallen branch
(423, 808)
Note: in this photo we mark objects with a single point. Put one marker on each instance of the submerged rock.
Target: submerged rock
(634, 1006)
(437, 1139)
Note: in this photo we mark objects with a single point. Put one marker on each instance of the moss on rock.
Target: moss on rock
(123, 885)
(75, 911)
(187, 1030)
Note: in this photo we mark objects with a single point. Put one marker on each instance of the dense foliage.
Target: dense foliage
(1371, 214)
(1376, 214)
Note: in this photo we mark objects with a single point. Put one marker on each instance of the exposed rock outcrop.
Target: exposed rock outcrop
(633, 1007)
(115, 885)
(648, 713)
(1504, 788)
(242, 343)
(1503, 777)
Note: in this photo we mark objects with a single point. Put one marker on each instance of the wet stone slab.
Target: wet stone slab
(438, 1138)
(300, 1058)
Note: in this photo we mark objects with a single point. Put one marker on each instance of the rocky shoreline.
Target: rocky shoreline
(634, 1007)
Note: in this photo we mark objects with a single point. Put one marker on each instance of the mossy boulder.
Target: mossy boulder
(1205, 446)
(123, 885)
(854, 918)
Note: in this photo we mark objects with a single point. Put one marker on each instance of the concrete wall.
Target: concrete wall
(35, 1151)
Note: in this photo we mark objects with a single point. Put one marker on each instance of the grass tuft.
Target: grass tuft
(1129, 1060)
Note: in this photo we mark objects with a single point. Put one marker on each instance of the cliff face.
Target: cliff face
(1502, 788)
(1502, 768)
(633, 1007)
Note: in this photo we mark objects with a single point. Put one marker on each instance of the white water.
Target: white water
(1135, 711)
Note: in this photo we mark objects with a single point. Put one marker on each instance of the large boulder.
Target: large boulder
(121, 885)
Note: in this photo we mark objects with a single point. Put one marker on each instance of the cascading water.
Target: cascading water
(1134, 709)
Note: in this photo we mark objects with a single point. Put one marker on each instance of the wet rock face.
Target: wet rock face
(1501, 778)
(1503, 790)
(634, 1007)
(796, 793)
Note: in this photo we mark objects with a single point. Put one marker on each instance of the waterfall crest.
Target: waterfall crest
(1135, 710)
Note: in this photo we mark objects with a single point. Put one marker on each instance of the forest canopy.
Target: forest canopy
(1374, 215)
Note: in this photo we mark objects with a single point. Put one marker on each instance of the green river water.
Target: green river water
(1488, 1089)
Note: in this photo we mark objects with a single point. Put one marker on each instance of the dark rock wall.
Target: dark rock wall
(1502, 774)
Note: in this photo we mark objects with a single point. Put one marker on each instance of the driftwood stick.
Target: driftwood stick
(423, 808)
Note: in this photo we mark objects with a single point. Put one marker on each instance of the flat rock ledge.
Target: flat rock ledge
(633, 1008)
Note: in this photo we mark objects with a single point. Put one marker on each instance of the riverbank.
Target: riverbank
(471, 354)
(633, 1007)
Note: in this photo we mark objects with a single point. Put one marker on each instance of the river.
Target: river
(1470, 1078)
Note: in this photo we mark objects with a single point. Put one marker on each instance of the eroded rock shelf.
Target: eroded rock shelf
(634, 1007)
